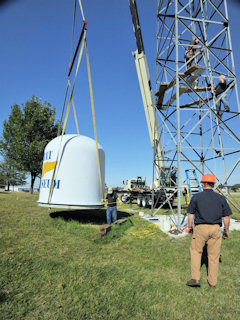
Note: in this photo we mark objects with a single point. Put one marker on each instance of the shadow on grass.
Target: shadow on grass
(86, 216)
(3, 297)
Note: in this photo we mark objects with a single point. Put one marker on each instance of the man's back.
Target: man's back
(209, 207)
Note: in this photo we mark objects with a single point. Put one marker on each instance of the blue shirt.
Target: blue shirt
(209, 207)
(173, 173)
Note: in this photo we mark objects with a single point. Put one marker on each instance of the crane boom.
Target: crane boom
(136, 25)
(146, 89)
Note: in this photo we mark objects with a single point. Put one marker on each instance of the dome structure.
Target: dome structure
(76, 180)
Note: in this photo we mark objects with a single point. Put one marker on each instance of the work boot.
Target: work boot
(227, 109)
(211, 286)
(193, 283)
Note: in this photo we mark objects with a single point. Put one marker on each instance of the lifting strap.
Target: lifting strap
(66, 116)
(80, 5)
(84, 42)
(68, 83)
(75, 116)
(64, 103)
(94, 119)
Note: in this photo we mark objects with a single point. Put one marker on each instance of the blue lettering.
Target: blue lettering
(58, 184)
(46, 183)
(48, 155)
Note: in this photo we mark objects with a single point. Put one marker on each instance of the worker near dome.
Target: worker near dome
(111, 198)
(207, 209)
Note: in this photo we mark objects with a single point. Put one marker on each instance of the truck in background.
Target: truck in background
(135, 189)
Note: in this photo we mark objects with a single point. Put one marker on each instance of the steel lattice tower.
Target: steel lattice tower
(194, 135)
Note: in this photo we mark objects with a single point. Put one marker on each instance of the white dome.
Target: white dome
(76, 180)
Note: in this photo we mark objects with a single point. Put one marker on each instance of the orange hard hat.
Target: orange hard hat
(208, 178)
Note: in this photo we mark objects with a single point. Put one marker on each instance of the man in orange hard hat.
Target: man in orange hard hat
(208, 209)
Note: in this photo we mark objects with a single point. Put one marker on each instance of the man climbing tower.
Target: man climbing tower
(191, 52)
(173, 176)
(221, 95)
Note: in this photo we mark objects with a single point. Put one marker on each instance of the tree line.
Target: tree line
(26, 132)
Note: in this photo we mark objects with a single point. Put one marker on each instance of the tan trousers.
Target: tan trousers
(210, 234)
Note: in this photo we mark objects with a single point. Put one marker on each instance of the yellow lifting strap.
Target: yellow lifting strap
(94, 119)
(84, 42)
(65, 98)
(68, 83)
(74, 111)
(66, 116)
(75, 116)
(80, 5)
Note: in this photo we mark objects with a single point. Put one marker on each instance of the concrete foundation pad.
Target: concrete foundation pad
(168, 223)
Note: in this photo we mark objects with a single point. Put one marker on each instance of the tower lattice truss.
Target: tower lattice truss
(192, 118)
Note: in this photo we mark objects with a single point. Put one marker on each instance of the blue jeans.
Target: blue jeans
(111, 212)
(223, 100)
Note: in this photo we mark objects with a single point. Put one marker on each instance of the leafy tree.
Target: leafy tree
(2, 179)
(11, 175)
(26, 133)
(235, 187)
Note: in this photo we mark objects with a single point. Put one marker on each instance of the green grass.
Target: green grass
(54, 266)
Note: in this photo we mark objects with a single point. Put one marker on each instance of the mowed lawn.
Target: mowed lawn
(54, 266)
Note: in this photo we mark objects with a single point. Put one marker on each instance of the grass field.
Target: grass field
(53, 266)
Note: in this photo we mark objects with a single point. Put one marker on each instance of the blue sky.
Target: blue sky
(34, 57)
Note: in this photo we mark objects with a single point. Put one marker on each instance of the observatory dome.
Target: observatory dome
(76, 181)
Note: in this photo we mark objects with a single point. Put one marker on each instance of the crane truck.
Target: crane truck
(136, 189)
(161, 191)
